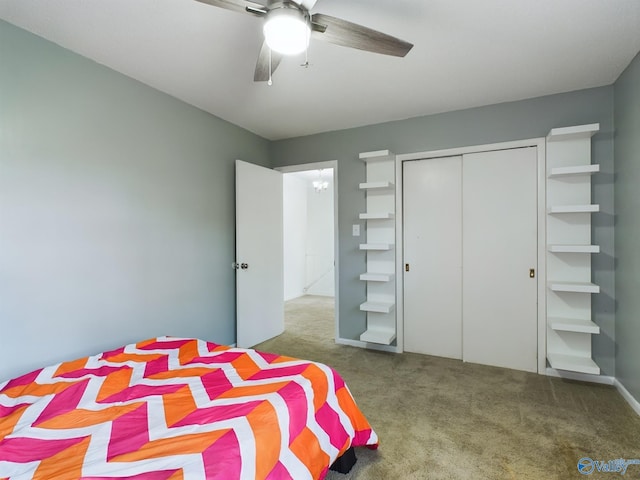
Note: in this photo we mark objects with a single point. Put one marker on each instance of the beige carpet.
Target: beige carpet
(445, 419)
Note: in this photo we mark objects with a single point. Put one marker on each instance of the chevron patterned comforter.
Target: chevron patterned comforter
(173, 408)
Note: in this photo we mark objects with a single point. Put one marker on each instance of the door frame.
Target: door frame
(333, 164)
(540, 143)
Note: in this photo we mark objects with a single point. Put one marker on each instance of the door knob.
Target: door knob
(244, 266)
(532, 273)
(235, 265)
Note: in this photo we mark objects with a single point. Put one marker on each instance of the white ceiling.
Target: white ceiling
(467, 53)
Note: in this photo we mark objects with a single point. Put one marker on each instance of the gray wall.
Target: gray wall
(495, 123)
(627, 197)
(116, 209)
(116, 203)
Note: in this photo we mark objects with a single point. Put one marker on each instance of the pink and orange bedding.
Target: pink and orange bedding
(174, 408)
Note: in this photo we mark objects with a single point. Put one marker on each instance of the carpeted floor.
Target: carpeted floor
(445, 419)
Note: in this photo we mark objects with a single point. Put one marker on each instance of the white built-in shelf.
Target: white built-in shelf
(373, 186)
(376, 277)
(574, 209)
(575, 287)
(379, 214)
(573, 363)
(577, 325)
(574, 248)
(576, 170)
(570, 133)
(569, 302)
(376, 216)
(377, 307)
(383, 336)
(377, 156)
(375, 246)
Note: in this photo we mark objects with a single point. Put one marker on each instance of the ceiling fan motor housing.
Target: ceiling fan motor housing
(287, 27)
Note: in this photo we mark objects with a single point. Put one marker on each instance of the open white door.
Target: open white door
(259, 274)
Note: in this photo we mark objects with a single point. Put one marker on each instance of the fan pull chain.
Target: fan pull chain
(270, 82)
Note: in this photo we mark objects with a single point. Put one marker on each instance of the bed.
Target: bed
(179, 408)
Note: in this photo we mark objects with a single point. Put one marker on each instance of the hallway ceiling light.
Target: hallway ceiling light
(320, 185)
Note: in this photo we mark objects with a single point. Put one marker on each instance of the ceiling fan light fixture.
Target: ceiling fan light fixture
(287, 31)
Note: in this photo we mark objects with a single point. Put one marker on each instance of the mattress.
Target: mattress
(178, 408)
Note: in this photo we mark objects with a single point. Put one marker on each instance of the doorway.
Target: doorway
(310, 246)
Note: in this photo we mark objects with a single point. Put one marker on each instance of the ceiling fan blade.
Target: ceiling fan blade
(261, 73)
(307, 4)
(341, 32)
(236, 5)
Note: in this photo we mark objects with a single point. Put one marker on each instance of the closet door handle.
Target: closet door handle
(532, 273)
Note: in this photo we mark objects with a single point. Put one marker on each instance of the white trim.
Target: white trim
(540, 144)
(333, 164)
(373, 155)
(304, 167)
(542, 254)
(450, 152)
(580, 377)
(370, 346)
(633, 403)
(399, 258)
(599, 379)
(569, 133)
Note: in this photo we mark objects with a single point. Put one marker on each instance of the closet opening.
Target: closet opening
(472, 233)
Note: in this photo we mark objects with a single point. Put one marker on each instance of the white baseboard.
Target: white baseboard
(580, 377)
(635, 405)
(601, 379)
(371, 346)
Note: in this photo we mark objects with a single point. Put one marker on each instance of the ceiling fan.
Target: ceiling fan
(289, 25)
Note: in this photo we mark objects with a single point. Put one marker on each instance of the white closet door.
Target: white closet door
(499, 249)
(433, 250)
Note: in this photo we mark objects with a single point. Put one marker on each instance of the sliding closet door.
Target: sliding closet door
(433, 253)
(499, 250)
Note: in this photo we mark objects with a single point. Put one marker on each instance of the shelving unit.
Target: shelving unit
(377, 307)
(376, 216)
(376, 277)
(379, 188)
(573, 363)
(577, 170)
(381, 335)
(574, 209)
(575, 287)
(574, 248)
(569, 249)
(577, 325)
(375, 246)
